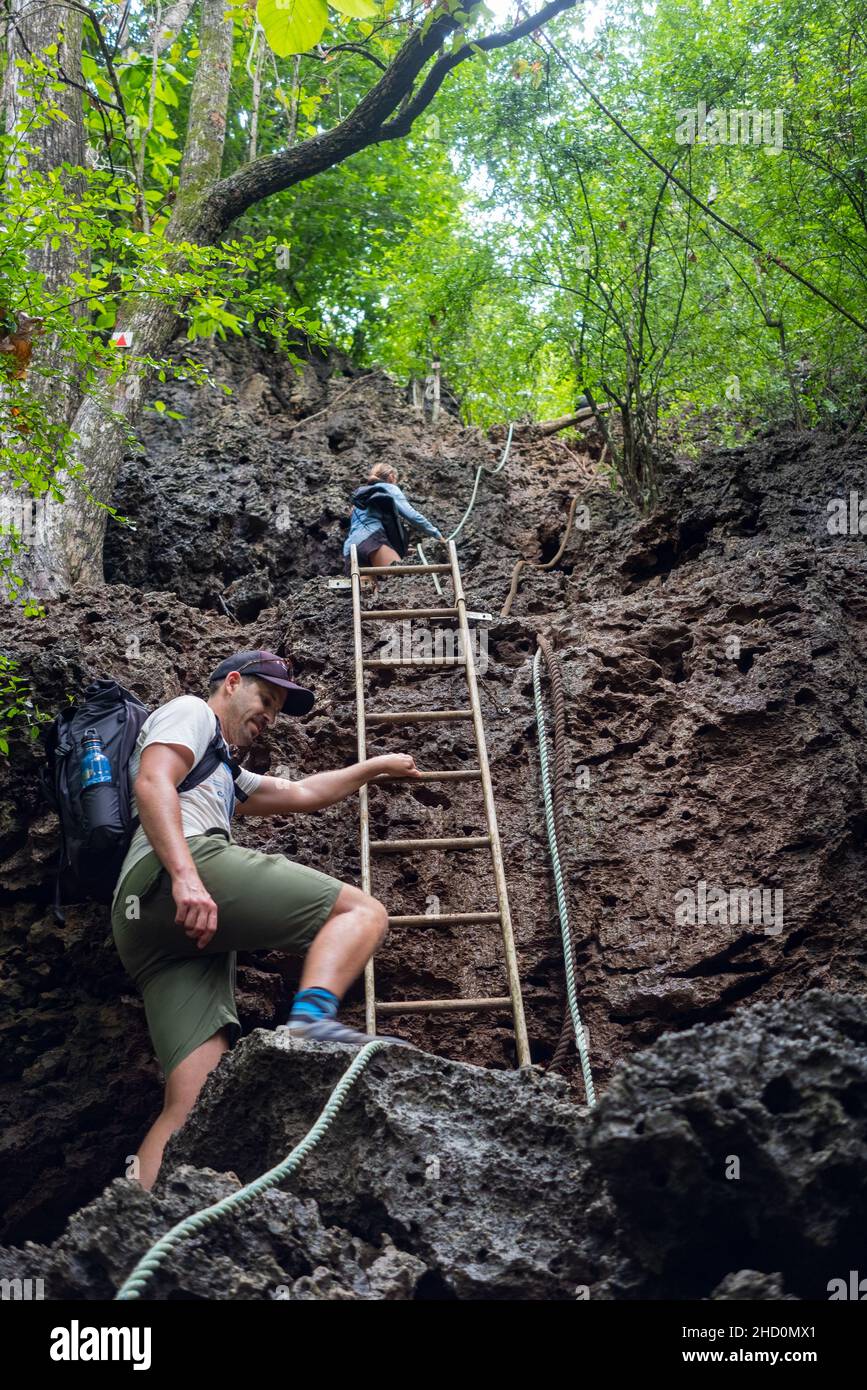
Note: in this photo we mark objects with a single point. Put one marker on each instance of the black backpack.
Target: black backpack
(373, 497)
(95, 831)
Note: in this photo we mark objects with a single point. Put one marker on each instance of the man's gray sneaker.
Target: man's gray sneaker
(329, 1030)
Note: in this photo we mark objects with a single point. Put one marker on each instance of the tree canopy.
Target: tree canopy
(663, 210)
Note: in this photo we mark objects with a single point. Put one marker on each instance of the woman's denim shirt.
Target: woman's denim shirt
(363, 523)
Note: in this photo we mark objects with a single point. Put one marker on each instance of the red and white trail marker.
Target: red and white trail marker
(122, 339)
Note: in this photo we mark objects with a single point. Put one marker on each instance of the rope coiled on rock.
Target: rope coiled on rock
(153, 1258)
(554, 824)
(533, 564)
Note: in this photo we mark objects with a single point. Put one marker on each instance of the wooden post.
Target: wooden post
(435, 392)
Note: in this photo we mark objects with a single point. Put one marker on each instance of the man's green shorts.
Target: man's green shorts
(264, 902)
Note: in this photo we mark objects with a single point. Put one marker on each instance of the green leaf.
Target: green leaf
(133, 80)
(292, 26)
(165, 92)
(356, 9)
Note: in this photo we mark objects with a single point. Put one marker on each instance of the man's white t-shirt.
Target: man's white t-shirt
(191, 721)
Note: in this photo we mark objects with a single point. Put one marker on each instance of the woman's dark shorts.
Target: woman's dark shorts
(365, 550)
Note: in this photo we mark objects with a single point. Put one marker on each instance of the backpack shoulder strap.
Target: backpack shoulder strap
(216, 752)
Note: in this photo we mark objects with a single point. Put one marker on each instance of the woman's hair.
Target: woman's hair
(381, 470)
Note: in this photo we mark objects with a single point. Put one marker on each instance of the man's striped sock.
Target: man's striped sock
(313, 1003)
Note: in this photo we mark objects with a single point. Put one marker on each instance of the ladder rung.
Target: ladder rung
(418, 716)
(464, 774)
(369, 615)
(449, 919)
(380, 570)
(408, 846)
(442, 1006)
(379, 663)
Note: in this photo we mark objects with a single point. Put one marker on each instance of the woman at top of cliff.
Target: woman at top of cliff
(376, 522)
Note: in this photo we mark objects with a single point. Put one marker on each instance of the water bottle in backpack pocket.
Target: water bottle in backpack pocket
(100, 797)
(86, 781)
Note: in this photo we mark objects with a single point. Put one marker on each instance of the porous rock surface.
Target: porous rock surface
(725, 1162)
(713, 654)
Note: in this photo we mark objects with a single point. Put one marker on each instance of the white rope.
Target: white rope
(479, 471)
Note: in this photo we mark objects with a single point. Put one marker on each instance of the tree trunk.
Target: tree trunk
(52, 380)
(102, 421)
(564, 422)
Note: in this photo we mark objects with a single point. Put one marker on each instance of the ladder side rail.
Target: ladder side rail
(363, 810)
(521, 1039)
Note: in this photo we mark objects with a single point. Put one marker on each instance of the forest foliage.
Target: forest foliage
(516, 232)
(657, 206)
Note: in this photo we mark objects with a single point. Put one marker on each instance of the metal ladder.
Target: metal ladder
(490, 841)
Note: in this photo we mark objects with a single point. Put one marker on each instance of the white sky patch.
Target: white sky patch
(589, 18)
(589, 15)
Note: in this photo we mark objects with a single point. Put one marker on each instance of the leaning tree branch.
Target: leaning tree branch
(401, 124)
(368, 123)
(354, 48)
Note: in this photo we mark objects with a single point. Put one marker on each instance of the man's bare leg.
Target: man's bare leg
(184, 1083)
(341, 949)
(383, 556)
(337, 956)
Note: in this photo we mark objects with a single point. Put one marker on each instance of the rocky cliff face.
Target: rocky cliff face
(713, 655)
(724, 1162)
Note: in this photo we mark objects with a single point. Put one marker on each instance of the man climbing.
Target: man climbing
(188, 898)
